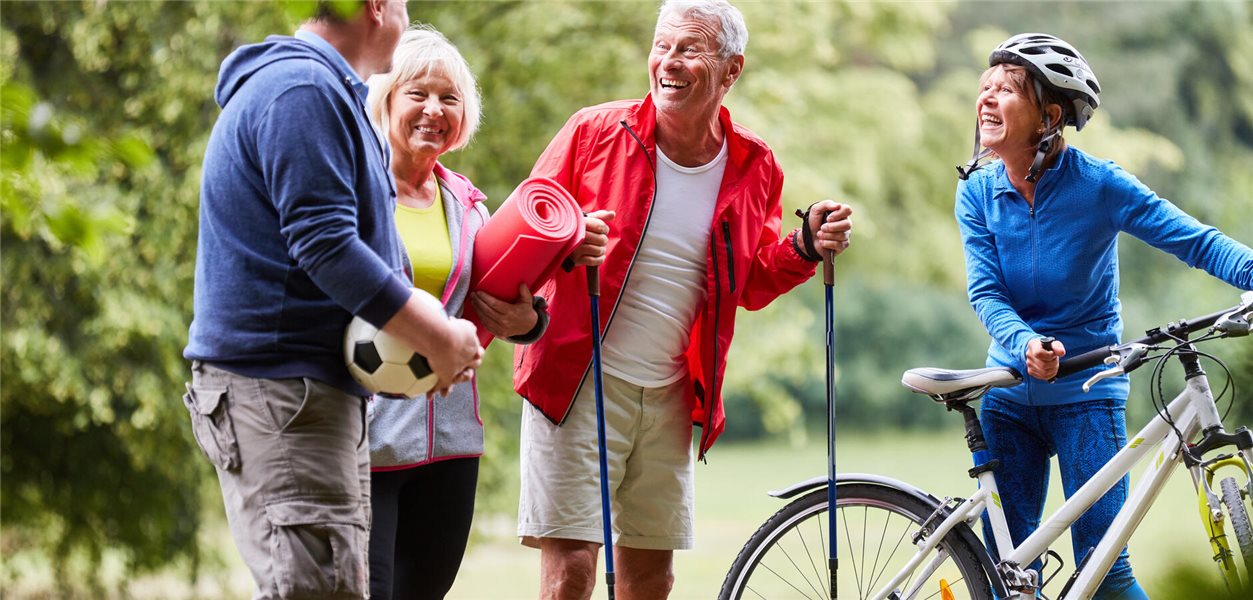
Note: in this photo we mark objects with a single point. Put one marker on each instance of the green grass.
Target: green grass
(731, 502)
(1168, 551)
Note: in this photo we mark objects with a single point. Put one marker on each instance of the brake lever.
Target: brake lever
(1129, 357)
(1236, 322)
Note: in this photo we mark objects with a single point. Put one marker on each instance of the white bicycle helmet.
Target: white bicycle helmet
(1056, 64)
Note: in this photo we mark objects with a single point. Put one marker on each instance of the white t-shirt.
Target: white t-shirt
(649, 334)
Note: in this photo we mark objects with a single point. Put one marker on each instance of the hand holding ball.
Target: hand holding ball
(383, 364)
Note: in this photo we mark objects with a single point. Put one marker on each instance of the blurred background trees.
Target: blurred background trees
(105, 108)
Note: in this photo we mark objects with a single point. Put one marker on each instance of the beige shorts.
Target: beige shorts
(651, 484)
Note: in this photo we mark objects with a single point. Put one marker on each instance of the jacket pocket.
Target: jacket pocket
(319, 549)
(211, 424)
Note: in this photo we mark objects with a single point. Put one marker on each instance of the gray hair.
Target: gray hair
(423, 50)
(732, 32)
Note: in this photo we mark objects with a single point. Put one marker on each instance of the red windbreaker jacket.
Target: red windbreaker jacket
(605, 156)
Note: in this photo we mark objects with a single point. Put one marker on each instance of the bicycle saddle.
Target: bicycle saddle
(948, 384)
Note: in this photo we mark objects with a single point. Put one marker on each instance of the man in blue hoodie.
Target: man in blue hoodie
(297, 236)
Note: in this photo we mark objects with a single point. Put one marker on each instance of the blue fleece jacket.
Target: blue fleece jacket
(296, 216)
(1052, 269)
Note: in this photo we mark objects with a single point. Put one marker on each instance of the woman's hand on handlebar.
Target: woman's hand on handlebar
(1041, 363)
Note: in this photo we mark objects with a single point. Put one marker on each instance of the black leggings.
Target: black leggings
(421, 522)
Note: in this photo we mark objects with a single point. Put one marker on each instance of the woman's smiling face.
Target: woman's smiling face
(1009, 116)
(427, 114)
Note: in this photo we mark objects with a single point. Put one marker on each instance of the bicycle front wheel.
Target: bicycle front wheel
(787, 557)
(1238, 514)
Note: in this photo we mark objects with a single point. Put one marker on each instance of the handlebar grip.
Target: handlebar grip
(1046, 342)
(1091, 358)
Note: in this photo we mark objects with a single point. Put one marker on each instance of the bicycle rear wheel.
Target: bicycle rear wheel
(787, 556)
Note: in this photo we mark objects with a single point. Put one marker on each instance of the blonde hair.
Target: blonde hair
(422, 51)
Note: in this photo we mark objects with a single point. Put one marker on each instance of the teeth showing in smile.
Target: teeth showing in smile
(673, 83)
(989, 119)
(430, 130)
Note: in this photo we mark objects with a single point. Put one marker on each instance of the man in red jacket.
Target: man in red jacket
(684, 216)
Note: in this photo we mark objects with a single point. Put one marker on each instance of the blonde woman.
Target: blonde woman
(424, 452)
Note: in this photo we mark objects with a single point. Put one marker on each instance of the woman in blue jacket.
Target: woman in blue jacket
(1040, 229)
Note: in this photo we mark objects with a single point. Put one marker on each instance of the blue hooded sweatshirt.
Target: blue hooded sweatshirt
(296, 217)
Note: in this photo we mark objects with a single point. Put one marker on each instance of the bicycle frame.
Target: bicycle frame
(1192, 411)
(1188, 430)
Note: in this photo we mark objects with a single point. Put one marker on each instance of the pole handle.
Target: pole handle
(593, 281)
(828, 259)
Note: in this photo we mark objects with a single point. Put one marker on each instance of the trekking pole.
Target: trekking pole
(593, 292)
(828, 280)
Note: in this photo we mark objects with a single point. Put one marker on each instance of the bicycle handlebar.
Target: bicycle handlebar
(1070, 365)
(1172, 331)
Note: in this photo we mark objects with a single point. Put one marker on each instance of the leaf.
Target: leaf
(133, 151)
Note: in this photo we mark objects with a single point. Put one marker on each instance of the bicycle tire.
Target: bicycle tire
(768, 566)
(1238, 515)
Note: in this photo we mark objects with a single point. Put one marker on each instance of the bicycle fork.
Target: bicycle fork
(1210, 506)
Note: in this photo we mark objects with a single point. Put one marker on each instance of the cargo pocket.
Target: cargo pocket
(319, 550)
(212, 426)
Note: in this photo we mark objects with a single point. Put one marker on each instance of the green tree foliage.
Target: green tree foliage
(106, 107)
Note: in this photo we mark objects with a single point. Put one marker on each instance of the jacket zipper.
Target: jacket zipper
(455, 275)
(430, 427)
(712, 392)
(713, 376)
(1035, 282)
(630, 266)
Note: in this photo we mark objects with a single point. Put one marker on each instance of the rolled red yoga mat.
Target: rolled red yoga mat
(537, 226)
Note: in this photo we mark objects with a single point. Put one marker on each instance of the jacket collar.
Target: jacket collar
(1000, 177)
(459, 185)
(643, 121)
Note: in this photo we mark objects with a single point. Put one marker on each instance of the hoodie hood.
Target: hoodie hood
(245, 61)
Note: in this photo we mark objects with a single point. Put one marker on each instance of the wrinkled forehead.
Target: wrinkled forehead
(688, 26)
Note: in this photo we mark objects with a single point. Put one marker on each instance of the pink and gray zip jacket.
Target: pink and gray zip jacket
(419, 431)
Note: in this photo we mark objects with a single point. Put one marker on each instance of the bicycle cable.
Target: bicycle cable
(1229, 382)
(1158, 397)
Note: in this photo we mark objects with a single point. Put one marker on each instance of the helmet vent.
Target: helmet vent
(1056, 68)
(1092, 84)
(1064, 50)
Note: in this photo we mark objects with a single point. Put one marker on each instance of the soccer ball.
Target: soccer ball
(383, 364)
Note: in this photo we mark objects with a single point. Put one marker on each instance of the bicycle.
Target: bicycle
(903, 543)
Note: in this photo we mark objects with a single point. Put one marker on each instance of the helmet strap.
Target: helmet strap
(1052, 129)
(977, 154)
(1041, 151)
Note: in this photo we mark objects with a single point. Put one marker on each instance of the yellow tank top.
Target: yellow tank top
(425, 234)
